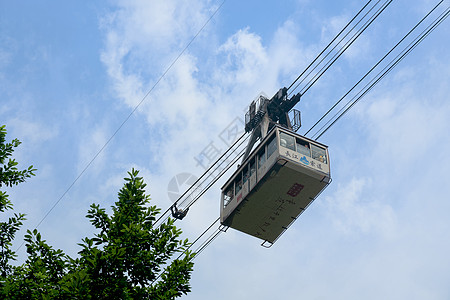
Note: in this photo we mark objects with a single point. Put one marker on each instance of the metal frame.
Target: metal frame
(263, 114)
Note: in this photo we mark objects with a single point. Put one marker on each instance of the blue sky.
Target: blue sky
(72, 72)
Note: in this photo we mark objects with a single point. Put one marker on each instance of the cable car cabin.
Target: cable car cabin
(275, 184)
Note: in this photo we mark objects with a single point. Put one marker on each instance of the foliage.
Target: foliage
(125, 257)
(123, 260)
(42, 276)
(9, 176)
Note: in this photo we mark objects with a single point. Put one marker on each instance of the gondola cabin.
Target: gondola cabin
(275, 184)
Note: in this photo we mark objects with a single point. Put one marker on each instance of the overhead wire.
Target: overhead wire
(374, 66)
(215, 179)
(217, 168)
(194, 186)
(206, 243)
(214, 235)
(336, 56)
(214, 165)
(184, 252)
(329, 44)
(201, 235)
(386, 70)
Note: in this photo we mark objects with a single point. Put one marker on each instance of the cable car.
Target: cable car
(275, 184)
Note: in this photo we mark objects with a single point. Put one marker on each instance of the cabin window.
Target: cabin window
(252, 166)
(228, 195)
(287, 141)
(319, 154)
(271, 146)
(303, 147)
(261, 157)
(238, 183)
(245, 174)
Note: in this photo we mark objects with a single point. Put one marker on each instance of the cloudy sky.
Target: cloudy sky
(72, 73)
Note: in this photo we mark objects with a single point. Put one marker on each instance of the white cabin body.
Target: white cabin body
(275, 184)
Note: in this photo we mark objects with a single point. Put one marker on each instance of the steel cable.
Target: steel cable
(387, 54)
(386, 70)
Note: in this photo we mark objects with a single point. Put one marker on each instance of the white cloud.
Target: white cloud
(405, 124)
(142, 40)
(32, 131)
(355, 211)
(164, 24)
(178, 107)
(246, 59)
(334, 25)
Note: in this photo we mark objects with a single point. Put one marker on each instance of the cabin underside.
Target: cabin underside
(277, 200)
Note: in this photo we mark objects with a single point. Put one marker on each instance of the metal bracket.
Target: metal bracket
(295, 118)
(223, 228)
(267, 244)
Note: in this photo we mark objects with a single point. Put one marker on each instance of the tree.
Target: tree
(9, 176)
(126, 256)
(44, 275)
(32, 285)
(123, 260)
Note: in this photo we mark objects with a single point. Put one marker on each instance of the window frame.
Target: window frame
(263, 156)
(226, 197)
(272, 146)
(323, 151)
(300, 144)
(292, 138)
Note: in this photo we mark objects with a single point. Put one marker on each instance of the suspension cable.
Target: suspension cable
(239, 156)
(205, 244)
(388, 68)
(387, 54)
(190, 189)
(341, 51)
(329, 44)
(212, 182)
(190, 245)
